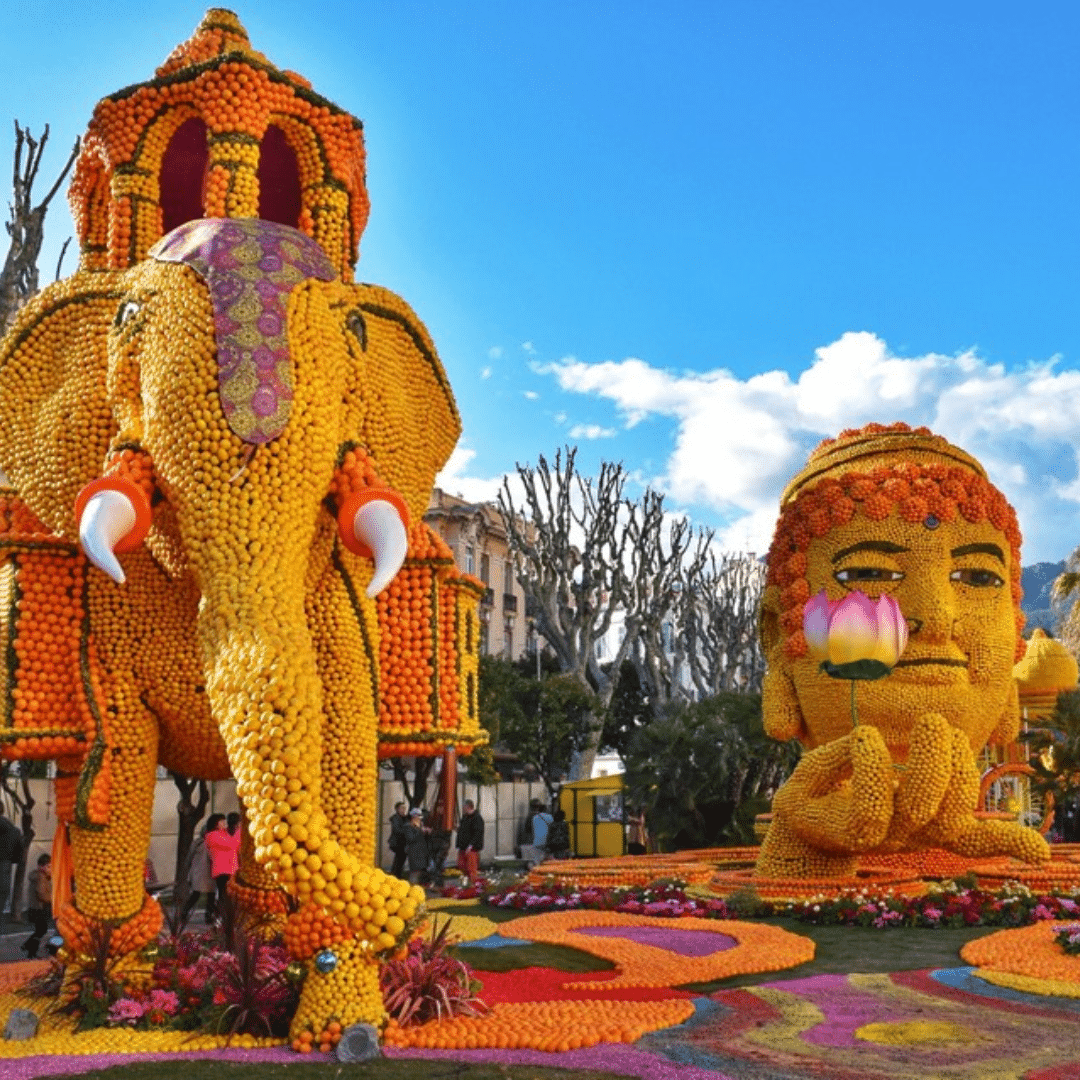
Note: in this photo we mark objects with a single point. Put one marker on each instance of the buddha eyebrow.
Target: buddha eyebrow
(885, 546)
(979, 549)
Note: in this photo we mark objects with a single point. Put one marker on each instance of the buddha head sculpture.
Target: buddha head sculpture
(891, 510)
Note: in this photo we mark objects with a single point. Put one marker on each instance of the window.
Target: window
(508, 636)
(470, 559)
(483, 639)
(485, 568)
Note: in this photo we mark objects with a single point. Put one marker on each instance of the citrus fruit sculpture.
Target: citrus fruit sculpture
(220, 449)
(911, 522)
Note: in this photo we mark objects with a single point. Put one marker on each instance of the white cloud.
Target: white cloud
(495, 352)
(485, 373)
(560, 418)
(532, 395)
(591, 431)
(737, 441)
(453, 480)
(528, 347)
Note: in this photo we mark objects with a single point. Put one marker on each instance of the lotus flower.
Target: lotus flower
(855, 638)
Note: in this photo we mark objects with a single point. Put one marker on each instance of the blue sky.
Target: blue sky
(696, 238)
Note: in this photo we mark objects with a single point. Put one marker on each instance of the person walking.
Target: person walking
(38, 904)
(200, 883)
(416, 845)
(224, 849)
(637, 836)
(558, 837)
(398, 820)
(470, 840)
(11, 852)
(540, 820)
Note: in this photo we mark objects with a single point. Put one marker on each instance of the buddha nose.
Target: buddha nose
(914, 626)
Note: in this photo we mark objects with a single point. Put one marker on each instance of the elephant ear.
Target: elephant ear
(409, 419)
(55, 422)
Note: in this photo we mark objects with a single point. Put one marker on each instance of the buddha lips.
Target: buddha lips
(855, 638)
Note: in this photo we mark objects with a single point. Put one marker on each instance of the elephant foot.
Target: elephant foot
(266, 909)
(87, 935)
(121, 953)
(341, 989)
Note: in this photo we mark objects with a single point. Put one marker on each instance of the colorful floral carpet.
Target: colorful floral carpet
(941, 1023)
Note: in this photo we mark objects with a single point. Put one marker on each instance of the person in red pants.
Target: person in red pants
(470, 840)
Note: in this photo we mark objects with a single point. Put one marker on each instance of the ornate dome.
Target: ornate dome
(218, 132)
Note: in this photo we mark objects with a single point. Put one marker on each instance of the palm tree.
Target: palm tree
(1067, 588)
(1055, 746)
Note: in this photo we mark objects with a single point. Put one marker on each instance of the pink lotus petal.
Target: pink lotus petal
(816, 625)
(892, 631)
(853, 629)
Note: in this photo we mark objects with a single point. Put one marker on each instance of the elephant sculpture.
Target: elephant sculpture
(238, 440)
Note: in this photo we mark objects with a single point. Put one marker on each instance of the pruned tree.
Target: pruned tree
(189, 811)
(655, 594)
(26, 225)
(585, 554)
(15, 789)
(421, 767)
(718, 623)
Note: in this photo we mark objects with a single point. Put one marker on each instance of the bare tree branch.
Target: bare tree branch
(585, 554)
(26, 227)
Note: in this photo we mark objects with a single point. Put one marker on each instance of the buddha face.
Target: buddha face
(952, 584)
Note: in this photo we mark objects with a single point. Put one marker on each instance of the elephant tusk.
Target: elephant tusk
(378, 524)
(107, 518)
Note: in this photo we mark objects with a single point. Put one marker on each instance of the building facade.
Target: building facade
(475, 534)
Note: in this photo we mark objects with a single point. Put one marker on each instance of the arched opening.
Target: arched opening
(183, 173)
(279, 179)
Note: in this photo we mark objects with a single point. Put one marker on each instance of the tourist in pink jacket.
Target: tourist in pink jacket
(223, 847)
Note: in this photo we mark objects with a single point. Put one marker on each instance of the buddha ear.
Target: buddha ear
(780, 709)
(1008, 726)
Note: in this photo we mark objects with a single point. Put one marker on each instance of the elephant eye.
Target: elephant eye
(357, 327)
(128, 310)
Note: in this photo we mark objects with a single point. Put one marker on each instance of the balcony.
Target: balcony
(509, 603)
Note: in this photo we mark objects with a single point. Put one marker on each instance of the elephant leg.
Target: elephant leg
(109, 861)
(344, 630)
(256, 890)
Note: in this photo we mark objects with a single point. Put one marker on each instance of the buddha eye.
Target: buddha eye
(980, 579)
(127, 311)
(866, 573)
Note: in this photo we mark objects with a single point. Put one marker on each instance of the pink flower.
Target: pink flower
(854, 628)
(126, 1010)
(164, 1001)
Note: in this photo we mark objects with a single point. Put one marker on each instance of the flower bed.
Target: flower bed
(947, 904)
(668, 899)
(756, 947)
(1028, 959)
(547, 1025)
(627, 870)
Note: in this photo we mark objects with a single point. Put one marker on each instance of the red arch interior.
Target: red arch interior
(279, 179)
(183, 174)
